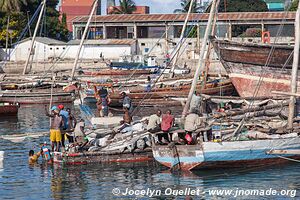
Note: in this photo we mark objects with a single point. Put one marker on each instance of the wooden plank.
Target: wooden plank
(286, 93)
(284, 152)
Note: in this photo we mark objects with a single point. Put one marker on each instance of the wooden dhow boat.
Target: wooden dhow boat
(251, 65)
(36, 97)
(235, 152)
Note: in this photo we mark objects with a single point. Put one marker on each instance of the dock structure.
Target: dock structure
(150, 30)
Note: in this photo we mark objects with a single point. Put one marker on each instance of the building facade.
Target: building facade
(158, 34)
(75, 8)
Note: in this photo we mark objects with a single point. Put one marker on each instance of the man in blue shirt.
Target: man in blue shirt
(65, 115)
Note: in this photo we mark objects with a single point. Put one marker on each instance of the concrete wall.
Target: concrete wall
(94, 51)
(42, 52)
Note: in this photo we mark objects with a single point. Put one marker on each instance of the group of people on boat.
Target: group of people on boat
(63, 125)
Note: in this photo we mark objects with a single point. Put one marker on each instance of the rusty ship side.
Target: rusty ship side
(256, 69)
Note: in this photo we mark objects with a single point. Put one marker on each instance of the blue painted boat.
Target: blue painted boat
(224, 154)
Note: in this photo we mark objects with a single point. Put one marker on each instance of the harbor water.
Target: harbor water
(19, 180)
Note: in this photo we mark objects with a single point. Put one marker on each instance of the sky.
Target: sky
(156, 6)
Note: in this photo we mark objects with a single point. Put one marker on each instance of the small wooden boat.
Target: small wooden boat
(166, 94)
(8, 109)
(132, 147)
(102, 157)
(35, 97)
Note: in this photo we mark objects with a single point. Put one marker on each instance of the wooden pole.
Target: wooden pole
(6, 43)
(201, 63)
(34, 36)
(176, 54)
(294, 69)
(83, 38)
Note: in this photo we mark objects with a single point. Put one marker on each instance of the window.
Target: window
(50, 48)
(57, 48)
(143, 44)
(64, 48)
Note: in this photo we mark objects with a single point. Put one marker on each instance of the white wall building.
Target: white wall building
(92, 49)
(47, 49)
(43, 49)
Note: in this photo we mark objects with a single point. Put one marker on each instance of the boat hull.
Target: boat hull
(221, 155)
(163, 96)
(256, 69)
(36, 98)
(102, 157)
(9, 110)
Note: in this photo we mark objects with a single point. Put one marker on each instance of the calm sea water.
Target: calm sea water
(18, 180)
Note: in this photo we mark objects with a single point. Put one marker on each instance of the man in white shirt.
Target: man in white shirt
(154, 122)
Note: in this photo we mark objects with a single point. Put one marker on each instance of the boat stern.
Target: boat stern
(183, 157)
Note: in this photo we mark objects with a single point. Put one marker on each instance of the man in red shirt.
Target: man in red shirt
(166, 124)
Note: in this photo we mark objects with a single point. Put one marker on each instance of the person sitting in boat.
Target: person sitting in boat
(103, 102)
(80, 138)
(56, 124)
(166, 124)
(33, 158)
(154, 122)
(193, 121)
(127, 119)
(71, 124)
(65, 115)
(127, 102)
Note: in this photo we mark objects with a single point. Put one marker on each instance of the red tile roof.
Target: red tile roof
(240, 16)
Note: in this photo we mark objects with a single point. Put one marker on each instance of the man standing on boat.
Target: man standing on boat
(127, 102)
(55, 125)
(65, 115)
(103, 102)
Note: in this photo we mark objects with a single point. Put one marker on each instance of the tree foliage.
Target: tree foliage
(126, 7)
(10, 6)
(50, 26)
(241, 6)
(185, 5)
(294, 5)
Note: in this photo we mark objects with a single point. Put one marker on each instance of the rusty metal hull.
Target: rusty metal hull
(221, 155)
(102, 157)
(254, 69)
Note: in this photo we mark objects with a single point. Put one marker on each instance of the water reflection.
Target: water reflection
(18, 180)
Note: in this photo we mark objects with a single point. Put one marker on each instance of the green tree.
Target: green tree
(10, 6)
(294, 5)
(51, 25)
(241, 6)
(125, 7)
(185, 5)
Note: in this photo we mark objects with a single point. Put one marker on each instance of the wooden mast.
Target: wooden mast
(201, 62)
(83, 38)
(34, 36)
(294, 69)
(176, 54)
